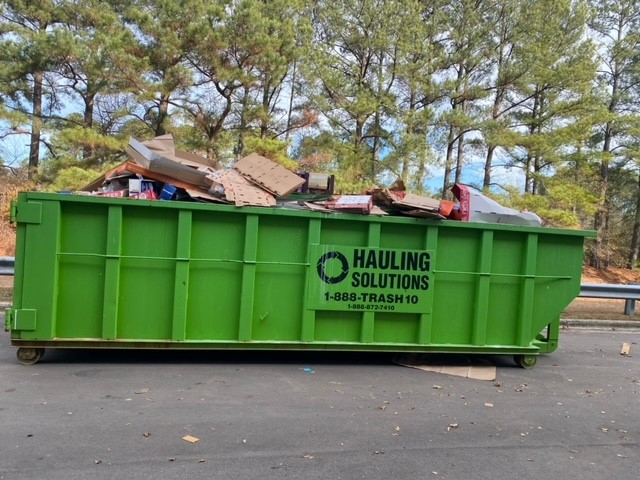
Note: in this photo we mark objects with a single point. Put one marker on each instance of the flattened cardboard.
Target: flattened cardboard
(195, 158)
(376, 210)
(454, 365)
(200, 195)
(239, 190)
(269, 175)
(422, 214)
(161, 144)
(164, 165)
(419, 202)
(134, 168)
(317, 208)
(384, 196)
(164, 145)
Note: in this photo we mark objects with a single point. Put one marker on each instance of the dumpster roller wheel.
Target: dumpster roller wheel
(526, 361)
(29, 356)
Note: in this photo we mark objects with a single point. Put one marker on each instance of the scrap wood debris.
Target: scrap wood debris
(157, 170)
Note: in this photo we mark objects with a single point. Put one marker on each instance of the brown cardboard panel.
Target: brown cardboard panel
(476, 369)
(317, 208)
(155, 162)
(239, 190)
(199, 194)
(422, 214)
(134, 168)
(419, 202)
(195, 158)
(161, 144)
(268, 175)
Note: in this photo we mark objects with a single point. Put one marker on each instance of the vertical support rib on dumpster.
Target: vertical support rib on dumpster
(112, 273)
(528, 289)
(481, 307)
(181, 288)
(368, 318)
(426, 319)
(308, 315)
(247, 293)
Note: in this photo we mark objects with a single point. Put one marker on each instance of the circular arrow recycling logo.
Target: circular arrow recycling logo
(322, 271)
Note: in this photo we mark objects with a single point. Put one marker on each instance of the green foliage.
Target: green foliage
(274, 150)
(72, 178)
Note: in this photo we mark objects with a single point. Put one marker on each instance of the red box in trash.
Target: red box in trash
(146, 195)
(464, 197)
(353, 203)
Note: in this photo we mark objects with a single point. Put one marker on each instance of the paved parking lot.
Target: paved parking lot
(123, 414)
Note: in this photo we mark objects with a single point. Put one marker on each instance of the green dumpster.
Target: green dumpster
(120, 273)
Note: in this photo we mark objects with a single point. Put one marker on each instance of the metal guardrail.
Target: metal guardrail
(7, 265)
(628, 293)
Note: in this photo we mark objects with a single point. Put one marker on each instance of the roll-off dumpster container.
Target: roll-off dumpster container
(119, 273)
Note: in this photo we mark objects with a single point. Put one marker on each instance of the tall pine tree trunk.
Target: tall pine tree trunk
(87, 123)
(495, 114)
(243, 123)
(448, 165)
(635, 238)
(486, 182)
(264, 121)
(36, 124)
(291, 95)
(163, 113)
(459, 158)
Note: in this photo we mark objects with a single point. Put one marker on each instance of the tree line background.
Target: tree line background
(537, 102)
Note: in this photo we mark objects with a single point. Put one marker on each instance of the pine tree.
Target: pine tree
(617, 25)
(28, 31)
(350, 75)
(551, 105)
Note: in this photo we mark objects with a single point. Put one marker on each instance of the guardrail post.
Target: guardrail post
(629, 306)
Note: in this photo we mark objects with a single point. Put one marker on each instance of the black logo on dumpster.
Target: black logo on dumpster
(344, 271)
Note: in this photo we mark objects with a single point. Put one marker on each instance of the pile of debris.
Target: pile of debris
(159, 171)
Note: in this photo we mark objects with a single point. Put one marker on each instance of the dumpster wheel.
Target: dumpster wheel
(29, 356)
(525, 361)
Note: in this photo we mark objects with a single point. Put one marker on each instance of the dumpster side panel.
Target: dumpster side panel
(83, 236)
(455, 285)
(281, 258)
(147, 280)
(215, 280)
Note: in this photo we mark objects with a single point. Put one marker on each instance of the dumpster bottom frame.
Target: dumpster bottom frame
(279, 346)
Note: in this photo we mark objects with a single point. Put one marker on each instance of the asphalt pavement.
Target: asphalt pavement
(285, 415)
